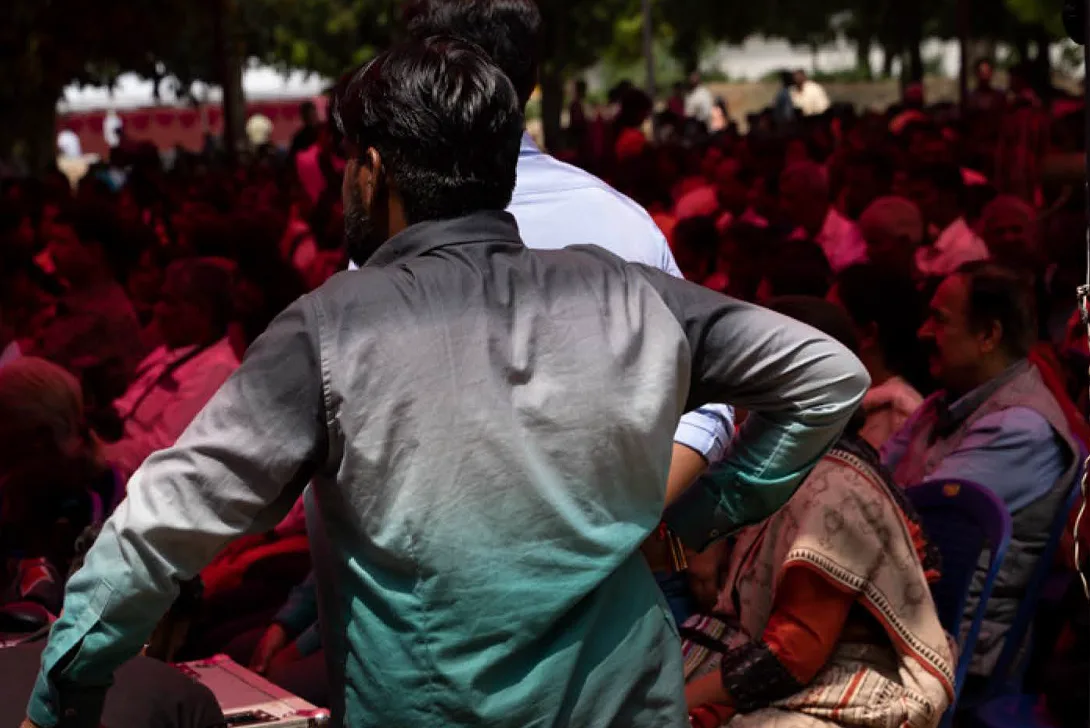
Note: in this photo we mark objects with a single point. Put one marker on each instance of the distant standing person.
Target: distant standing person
(784, 104)
(699, 102)
(808, 96)
(307, 136)
(985, 97)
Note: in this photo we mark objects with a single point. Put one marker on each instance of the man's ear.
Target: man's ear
(992, 338)
(369, 174)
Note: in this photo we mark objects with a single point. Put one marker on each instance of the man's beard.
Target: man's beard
(361, 236)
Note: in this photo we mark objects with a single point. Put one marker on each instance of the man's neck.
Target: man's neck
(988, 371)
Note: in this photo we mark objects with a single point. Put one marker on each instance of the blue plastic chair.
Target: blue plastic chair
(963, 520)
(1007, 677)
(1007, 706)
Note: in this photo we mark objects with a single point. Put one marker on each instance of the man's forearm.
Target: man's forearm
(686, 465)
(799, 386)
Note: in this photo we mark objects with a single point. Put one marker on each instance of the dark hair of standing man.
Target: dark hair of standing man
(445, 122)
(507, 30)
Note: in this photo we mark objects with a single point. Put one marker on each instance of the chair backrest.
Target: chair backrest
(963, 520)
(1004, 677)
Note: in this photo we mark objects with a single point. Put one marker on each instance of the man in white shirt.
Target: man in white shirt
(808, 96)
(176, 380)
(938, 191)
(699, 101)
(806, 203)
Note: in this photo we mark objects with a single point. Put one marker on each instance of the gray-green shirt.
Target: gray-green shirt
(489, 431)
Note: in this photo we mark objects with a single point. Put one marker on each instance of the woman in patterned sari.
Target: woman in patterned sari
(824, 616)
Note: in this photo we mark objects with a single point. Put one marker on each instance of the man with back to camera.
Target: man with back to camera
(488, 431)
(557, 204)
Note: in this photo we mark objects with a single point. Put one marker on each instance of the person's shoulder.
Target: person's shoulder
(580, 184)
(362, 285)
(598, 262)
(594, 212)
(1019, 426)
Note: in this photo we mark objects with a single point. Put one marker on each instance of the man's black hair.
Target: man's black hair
(507, 30)
(996, 294)
(887, 299)
(446, 122)
(799, 268)
(943, 176)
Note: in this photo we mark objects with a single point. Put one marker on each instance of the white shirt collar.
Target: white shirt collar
(10, 353)
(955, 233)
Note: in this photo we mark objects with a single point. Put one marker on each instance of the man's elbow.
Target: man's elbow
(850, 380)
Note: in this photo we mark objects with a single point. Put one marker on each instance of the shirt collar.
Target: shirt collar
(834, 223)
(952, 415)
(422, 238)
(10, 353)
(952, 236)
(528, 147)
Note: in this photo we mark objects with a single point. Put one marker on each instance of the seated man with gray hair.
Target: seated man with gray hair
(177, 379)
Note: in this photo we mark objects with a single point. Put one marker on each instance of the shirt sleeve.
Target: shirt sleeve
(668, 264)
(310, 641)
(301, 608)
(238, 469)
(1014, 452)
(807, 620)
(799, 385)
(897, 445)
(709, 429)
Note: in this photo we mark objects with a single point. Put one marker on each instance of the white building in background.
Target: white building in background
(259, 83)
(759, 57)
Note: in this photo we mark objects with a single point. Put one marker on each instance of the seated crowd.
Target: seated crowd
(124, 309)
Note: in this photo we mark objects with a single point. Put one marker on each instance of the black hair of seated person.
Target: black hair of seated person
(798, 268)
(888, 299)
(445, 121)
(97, 225)
(829, 319)
(696, 242)
(1003, 296)
(509, 31)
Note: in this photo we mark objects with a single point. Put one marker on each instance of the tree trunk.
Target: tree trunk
(862, 57)
(915, 61)
(28, 129)
(889, 55)
(229, 71)
(552, 106)
(1021, 45)
(965, 28)
(1042, 62)
(649, 48)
